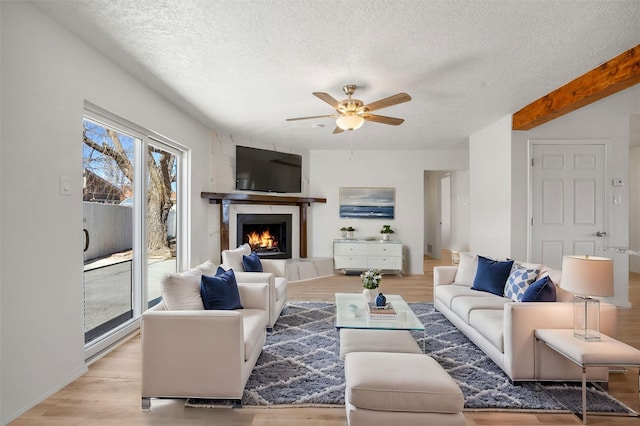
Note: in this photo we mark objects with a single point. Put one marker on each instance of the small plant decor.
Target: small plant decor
(371, 278)
(386, 229)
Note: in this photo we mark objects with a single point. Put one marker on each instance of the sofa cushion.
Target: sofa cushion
(466, 271)
(233, 258)
(447, 293)
(251, 263)
(464, 305)
(518, 281)
(220, 291)
(543, 290)
(492, 275)
(182, 291)
(490, 324)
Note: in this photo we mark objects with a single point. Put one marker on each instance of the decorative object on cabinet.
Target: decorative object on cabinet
(386, 231)
(367, 203)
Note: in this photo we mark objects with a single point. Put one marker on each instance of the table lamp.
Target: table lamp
(587, 276)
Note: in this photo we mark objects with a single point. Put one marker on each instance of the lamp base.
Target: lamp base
(586, 318)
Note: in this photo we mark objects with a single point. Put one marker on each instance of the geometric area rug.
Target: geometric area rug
(299, 367)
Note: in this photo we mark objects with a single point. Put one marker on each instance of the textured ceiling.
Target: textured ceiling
(242, 66)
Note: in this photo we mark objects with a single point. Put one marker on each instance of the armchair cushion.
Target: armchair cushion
(220, 291)
(251, 263)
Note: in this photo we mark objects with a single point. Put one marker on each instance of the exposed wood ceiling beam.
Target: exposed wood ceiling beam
(619, 73)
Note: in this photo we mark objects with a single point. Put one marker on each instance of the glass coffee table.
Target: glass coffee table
(405, 319)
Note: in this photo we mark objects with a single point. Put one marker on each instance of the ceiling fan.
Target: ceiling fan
(352, 113)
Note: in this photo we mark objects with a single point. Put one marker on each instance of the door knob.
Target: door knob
(601, 234)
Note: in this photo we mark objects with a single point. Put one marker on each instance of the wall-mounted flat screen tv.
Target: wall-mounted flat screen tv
(267, 171)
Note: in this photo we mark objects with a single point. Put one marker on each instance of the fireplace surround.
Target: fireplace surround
(224, 200)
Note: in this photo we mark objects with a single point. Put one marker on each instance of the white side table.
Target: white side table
(608, 352)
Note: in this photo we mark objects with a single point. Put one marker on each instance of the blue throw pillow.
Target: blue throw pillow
(543, 290)
(491, 275)
(220, 292)
(251, 263)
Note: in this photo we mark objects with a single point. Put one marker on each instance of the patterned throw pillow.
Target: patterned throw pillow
(518, 282)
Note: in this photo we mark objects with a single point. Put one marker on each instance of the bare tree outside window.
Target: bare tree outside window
(108, 174)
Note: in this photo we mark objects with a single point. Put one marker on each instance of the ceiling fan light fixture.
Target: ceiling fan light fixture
(350, 121)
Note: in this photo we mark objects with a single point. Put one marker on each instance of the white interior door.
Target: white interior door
(568, 200)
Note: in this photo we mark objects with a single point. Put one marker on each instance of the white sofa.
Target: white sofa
(273, 274)
(504, 329)
(191, 352)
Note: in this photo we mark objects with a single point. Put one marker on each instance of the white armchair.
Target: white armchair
(203, 353)
(273, 274)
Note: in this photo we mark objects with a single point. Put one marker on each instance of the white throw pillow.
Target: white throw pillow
(466, 272)
(233, 258)
(182, 291)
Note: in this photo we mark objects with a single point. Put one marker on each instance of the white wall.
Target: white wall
(403, 170)
(490, 189)
(47, 74)
(634, 205)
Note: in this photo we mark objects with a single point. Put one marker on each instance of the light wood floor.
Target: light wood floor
(109, 394)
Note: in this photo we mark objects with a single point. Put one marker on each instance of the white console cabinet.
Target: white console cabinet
(361, 255)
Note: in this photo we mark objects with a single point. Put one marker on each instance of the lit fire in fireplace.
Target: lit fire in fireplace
(262, 241)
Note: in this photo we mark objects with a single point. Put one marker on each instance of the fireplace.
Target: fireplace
(269, 235)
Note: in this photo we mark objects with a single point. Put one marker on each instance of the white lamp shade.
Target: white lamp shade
(587, 275)
(350, 121)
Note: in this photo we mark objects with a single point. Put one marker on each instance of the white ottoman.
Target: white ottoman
(400, 389)
(369, 340)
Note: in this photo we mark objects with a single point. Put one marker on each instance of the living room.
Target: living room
(47, 75)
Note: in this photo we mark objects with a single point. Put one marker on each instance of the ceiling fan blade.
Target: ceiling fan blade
(383, 119)
(312, 117)
(330, 100)
(387, 102)
(337, 130)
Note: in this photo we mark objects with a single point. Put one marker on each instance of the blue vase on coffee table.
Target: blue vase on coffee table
(381, 300)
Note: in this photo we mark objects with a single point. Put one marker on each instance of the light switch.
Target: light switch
(617, 199)
(65, 185)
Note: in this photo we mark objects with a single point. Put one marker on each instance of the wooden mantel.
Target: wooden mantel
(226, 199)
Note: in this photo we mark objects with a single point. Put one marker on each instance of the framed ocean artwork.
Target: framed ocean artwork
(367, 203)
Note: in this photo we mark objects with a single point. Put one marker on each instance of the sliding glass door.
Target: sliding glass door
(132, 221)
